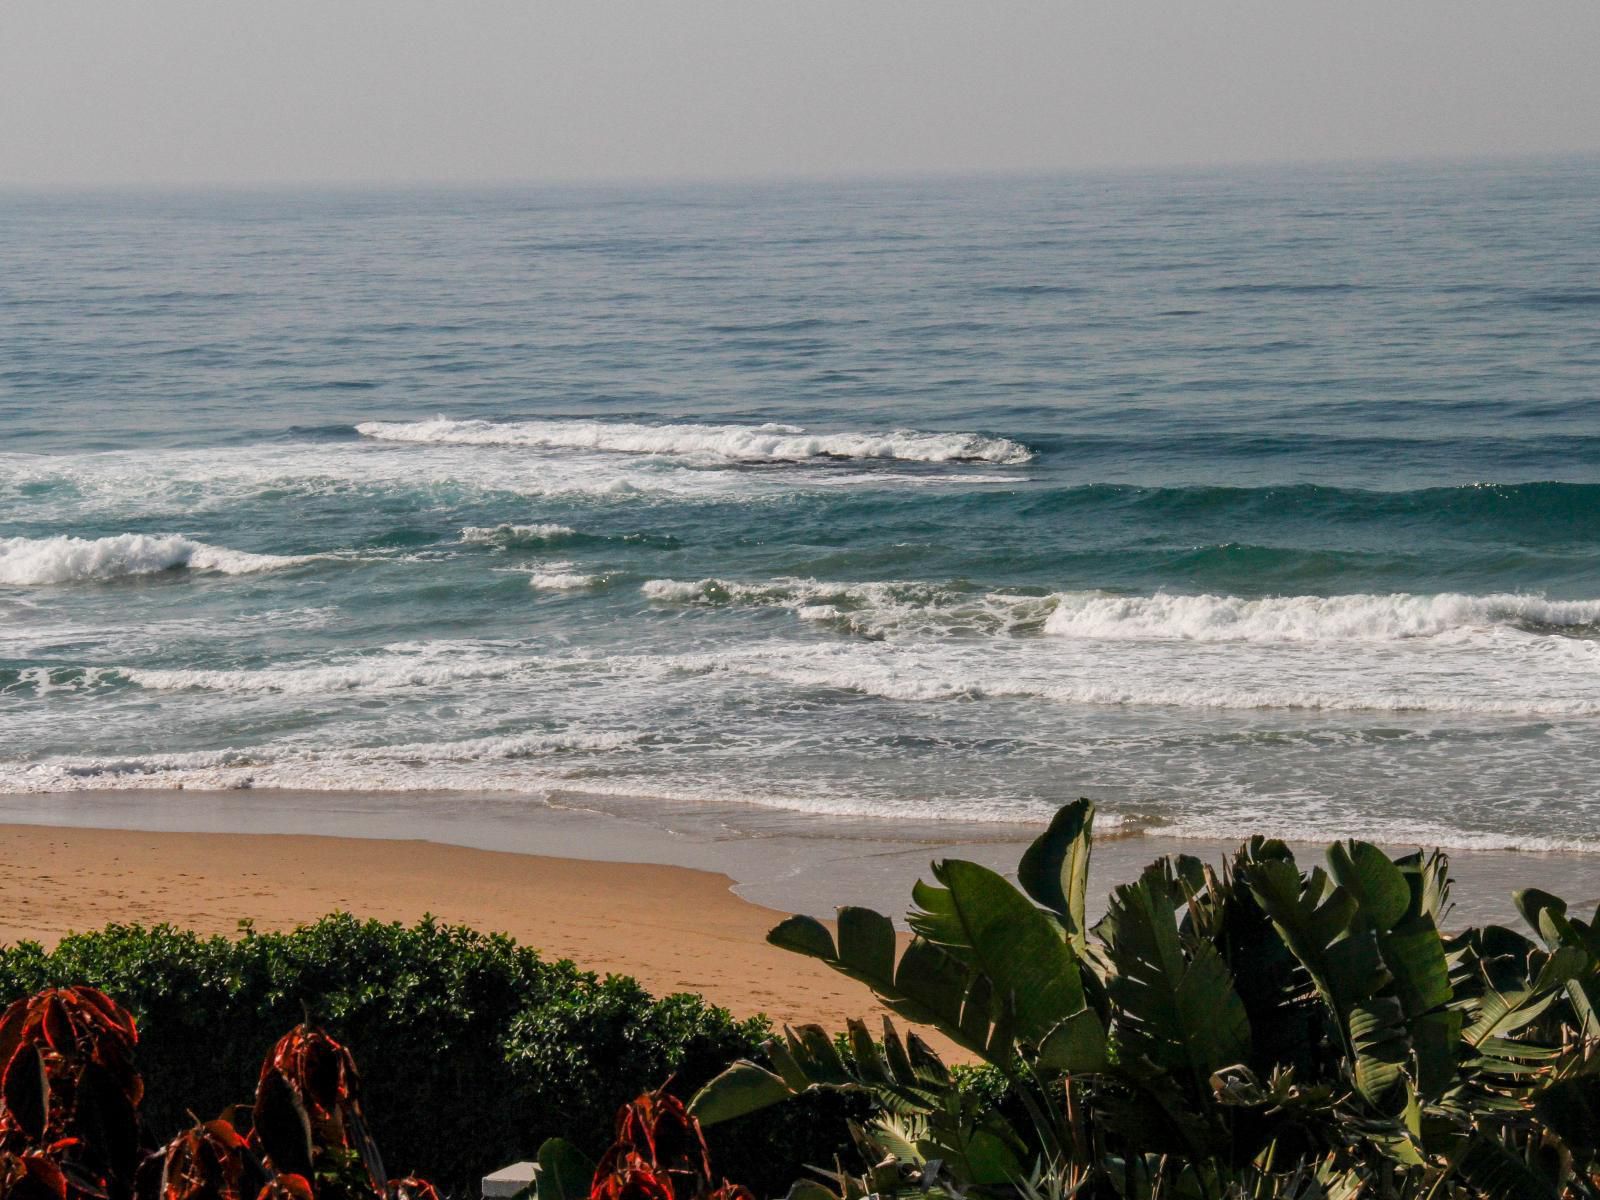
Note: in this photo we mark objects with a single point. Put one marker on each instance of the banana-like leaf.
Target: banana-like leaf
(1379, 887)
(1414, 955)
(564, 1173)
(981, 919)
(1382, 1049)
(1077, 1046)
(1561, 933)
(1316, 923)
(1434, 1039)
(902, 1079)
(927, 986)
(1492, 1169)
(742, 1089)
(1179, 1010)
(1055, 868)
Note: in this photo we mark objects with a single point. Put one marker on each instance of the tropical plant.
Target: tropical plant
(69, 1095)
(659, 1153)
(1250, 1030)
(71, 1128)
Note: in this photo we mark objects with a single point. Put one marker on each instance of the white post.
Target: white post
(508, 1181)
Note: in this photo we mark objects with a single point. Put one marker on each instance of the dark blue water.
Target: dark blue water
(1264, 499)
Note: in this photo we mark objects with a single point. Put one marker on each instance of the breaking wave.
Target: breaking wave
(28, 562)
(1366, 618)
(517, 535)
(403, 665)
(881, 608)
(731, 443)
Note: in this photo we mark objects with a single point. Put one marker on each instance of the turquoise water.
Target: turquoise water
(1252, 499)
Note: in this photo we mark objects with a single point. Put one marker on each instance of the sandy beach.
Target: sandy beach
(683, 903)
(674, 929)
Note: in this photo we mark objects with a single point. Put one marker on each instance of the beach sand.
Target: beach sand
(674, 929)
(681, 901)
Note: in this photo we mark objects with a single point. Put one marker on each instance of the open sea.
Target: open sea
(1257, 500)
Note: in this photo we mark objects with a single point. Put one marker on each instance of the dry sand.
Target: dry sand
(672, 928)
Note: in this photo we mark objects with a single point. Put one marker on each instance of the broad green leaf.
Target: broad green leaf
(1378, 1035)
(1434, 1038)
(804, 935)
(982, 919)
(1414, 955)
(1055, 868)
(564, 1172)
(866, 941)
(1076, 1046)
(1493, 1170)
(1317, 929)
(927, 986)
(869, 1063)
(1181, 1011)
(742, 1089)
(1377, 884)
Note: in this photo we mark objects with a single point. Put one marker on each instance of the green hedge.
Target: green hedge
(473, 1049)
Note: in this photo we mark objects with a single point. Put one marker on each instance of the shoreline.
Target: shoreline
(775, 860)
(671, 928)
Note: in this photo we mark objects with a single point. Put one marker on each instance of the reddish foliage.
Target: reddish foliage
(660, 1154)
(287, 1187)
(324, 1077)
(659, 1130)
(204, 1163)
(32, 1176)
(74, 1031)
(70, 1126)
(627, 1176)
(70, 1092)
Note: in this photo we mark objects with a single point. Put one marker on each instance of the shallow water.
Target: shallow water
(1240, 501)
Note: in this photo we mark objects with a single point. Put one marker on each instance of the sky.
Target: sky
(222, 92)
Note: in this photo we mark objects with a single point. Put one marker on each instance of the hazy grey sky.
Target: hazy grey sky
(214, 91)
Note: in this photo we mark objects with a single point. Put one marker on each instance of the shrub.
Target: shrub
(473, 1048)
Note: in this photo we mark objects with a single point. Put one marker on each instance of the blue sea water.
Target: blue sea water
(1239, 500)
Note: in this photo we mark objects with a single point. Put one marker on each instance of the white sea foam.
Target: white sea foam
(63, 559)
(405, 766)
(1372, 618)
(882, 608)
(516, 535)
(1465, 682)
(872, 609)
(734, 443)
(403, 665)
(563, 581)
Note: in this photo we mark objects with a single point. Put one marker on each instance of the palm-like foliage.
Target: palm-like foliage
(1255, 1030)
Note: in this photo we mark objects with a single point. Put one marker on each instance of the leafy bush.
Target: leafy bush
(474, 1049)
(1255, 1031)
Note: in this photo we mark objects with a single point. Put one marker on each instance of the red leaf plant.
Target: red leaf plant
(70, 1127)
(659, 1154)
(69, 1094)
(308, 1119)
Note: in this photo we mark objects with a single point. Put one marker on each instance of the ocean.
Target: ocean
(1258, 500)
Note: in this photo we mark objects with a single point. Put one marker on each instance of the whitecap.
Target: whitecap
(64, 559)
(733, 443)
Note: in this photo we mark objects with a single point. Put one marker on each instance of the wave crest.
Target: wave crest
(1361, 617)
(28, 562)
(732, 443)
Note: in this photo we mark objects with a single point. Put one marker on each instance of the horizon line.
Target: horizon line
(760, 178)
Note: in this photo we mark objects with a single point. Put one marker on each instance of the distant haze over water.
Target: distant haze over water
(1241, 501)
